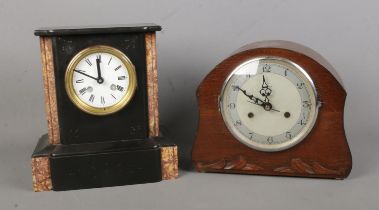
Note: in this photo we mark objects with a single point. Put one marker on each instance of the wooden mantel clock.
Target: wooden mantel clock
(272, 108)
(101, 99)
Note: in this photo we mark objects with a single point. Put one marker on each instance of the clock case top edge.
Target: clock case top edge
(214, 149)
(97, 29)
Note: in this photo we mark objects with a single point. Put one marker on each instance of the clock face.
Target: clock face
(100, 80)
(269, 103)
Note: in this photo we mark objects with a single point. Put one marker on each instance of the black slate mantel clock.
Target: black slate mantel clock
(101, 98)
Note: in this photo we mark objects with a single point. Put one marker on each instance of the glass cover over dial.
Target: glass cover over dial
(269, 103)
(100, 80)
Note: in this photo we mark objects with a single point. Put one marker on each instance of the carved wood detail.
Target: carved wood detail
(235, 163)
(297, 165)
(239, 163)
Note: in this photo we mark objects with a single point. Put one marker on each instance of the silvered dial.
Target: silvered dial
(269, 104)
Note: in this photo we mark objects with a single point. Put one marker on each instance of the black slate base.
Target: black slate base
(105, 164)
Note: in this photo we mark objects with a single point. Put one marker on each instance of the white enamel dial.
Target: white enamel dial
(115, 80)
(100, 80)
(269, 104)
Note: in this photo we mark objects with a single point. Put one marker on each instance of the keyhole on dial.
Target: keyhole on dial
(287, 115)
(250, 115)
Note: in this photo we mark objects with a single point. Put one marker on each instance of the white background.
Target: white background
(196, 36)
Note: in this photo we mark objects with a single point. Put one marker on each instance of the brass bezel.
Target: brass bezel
(86, 107)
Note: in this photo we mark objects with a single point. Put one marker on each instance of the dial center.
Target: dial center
(267, 122)
(267, 106)
(100, 80)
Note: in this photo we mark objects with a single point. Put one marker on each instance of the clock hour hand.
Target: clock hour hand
(266, 105)
(255, 100)
(81, 72)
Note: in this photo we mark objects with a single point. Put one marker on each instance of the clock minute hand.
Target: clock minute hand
(80, 72)
(265, 90)
(266, 106)
(98, 68)
(264, 84)
(99, 78)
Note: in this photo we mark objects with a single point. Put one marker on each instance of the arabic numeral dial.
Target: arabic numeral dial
(268, 104)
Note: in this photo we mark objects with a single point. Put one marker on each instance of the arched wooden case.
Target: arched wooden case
(324, 153)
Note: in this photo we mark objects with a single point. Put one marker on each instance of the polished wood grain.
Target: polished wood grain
(324, 153)
(152, 84)
(48, 75)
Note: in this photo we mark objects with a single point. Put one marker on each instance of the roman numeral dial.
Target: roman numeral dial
(100, 80)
